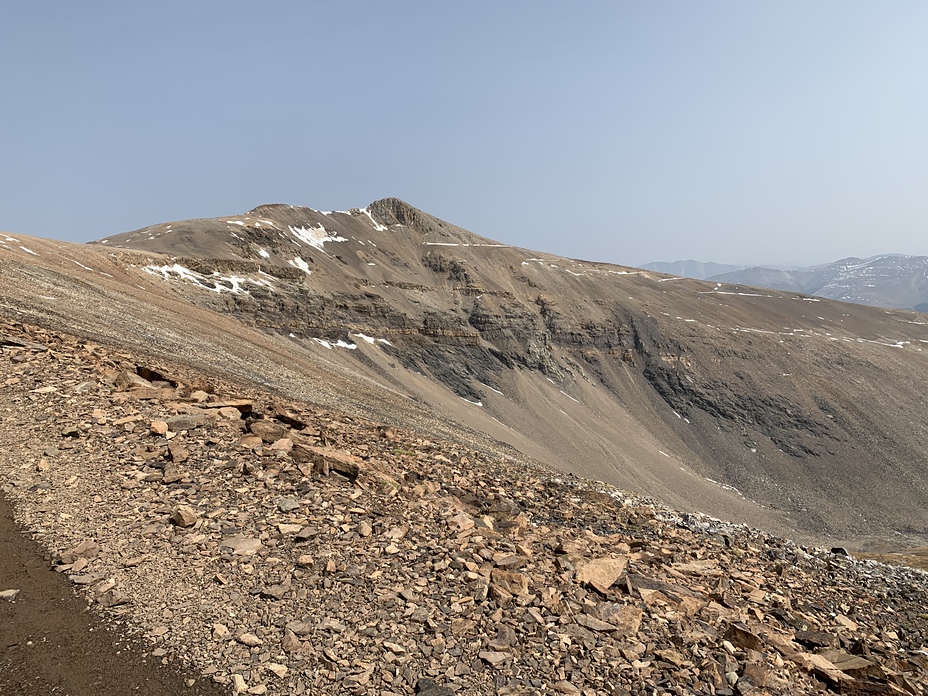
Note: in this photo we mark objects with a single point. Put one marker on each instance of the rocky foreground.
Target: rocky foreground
(283, 549)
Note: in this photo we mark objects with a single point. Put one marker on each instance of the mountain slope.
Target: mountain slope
(797, 414)
(889, 280)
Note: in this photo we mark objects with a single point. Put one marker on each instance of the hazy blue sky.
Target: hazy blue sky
(741, 132)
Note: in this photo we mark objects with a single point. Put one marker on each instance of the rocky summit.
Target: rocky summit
(275, 547)
(367, 451)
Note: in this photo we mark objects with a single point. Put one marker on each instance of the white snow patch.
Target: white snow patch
(377, 225)
(315, 236)
(383, 340)
(214, 283)
(297, 262)
(263, 253)
(724, 486)
(324, 344)
(568, 396)
(86, 268)
(491, 388)
(28, 251)
(368, 339)
(343, 344)
(475, 403)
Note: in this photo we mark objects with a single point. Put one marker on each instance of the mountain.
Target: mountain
(691, 269)
(765, 407)
(336, 452)
(889, 280)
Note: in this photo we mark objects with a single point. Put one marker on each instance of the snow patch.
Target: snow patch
(315, 236)
(214, 283)
(297, 262)
(28, 251)
(263, 253)
(377, 225)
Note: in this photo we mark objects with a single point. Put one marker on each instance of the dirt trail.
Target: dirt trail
(51, 644)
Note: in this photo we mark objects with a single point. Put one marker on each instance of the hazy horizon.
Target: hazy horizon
(749, 134)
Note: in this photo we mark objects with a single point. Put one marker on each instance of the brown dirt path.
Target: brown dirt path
(50, 644)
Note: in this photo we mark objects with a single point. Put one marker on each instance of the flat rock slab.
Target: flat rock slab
(242, 545)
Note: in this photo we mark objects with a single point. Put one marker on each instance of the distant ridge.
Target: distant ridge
(897, 281)
(886, 280)
(699, 270)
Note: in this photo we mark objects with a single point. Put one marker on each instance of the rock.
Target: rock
(512, 582)
(130, 380)
(595, 624)
(494, 657)
(178, 452)
(287, 504)
(242, 545)
(461, 522)
(427, 687)
(277, 669)
(300, 628)
(190, 421)
(601, 573)
(815, 639)
(275, 591)
(739, 635)
(113, 598)
(238, 684)
(86, 549)
(158, 427)
(184, 516)
(326, 459)
(290, 643)
(269, 431)
(505, 638)
(220, 631)
(249, 639)
(9, 595)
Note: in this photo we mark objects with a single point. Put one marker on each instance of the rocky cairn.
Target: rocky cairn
(283, 549)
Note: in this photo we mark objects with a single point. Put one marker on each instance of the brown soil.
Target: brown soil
(51, 644)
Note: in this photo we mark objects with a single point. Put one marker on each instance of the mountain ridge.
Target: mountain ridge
(884, 280)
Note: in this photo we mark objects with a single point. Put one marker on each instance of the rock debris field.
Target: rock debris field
(265, 546)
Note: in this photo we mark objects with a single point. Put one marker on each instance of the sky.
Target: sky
(788, 132)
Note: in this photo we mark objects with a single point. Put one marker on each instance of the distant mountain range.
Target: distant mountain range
(888, 280)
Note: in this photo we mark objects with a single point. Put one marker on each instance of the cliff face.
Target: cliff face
(800, 414)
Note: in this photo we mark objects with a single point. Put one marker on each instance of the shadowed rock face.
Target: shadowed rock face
(798, 414)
